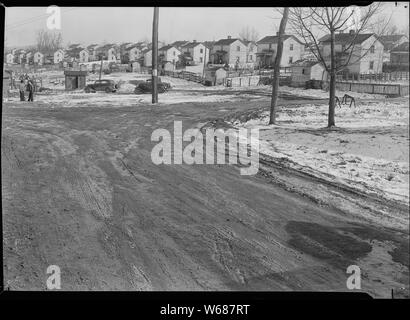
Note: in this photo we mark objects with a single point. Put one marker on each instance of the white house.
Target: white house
(229, 51)
(390, 42)
(38, 58)
(29, 57)
(147, 54)
(58, 56)
(133, 53)
(169, 53)
(111, 54)
(83, 55)
(196, 53)
(367, 51)
(10, 58)
(92, 52)
(251, 51)
(267, 47)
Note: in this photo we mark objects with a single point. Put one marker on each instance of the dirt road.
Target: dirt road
(80, 191)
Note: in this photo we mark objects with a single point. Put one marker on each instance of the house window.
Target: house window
(291, 47)
(250, 57)
(270, 46)
(290, 59)
(371, 65)
(372, 49)
(200, 59)
(201, 50)
(303, 71)
(238, 48)
(174, 53)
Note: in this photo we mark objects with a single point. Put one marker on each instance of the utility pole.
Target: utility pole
(101, 66)
(155, 56)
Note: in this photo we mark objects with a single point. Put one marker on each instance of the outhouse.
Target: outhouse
(75, 79)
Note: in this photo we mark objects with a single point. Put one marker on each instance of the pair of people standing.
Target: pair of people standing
(29, 87)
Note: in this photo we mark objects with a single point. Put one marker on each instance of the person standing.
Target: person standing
(22, 88)
(30, 90)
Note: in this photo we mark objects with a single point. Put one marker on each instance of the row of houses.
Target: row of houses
(75, 52)
(368, 54)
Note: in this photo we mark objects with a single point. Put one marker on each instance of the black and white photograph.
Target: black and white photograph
(206, 149)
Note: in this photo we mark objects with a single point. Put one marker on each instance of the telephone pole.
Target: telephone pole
(101, 65)
(155, 56)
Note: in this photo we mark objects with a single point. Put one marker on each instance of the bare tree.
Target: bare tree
(48, 40)
(276, 71)
(249, 34)
(309, 23)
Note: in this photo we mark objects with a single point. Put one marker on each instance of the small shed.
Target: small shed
(306, 70)
(75, 79)
(216, 75)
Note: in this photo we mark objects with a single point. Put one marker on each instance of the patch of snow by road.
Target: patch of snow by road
(369, 150)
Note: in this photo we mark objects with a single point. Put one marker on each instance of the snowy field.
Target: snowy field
(368, 150)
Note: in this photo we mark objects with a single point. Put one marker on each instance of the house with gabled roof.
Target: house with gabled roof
(195, 53)
(38, 58)
(147, 57)
(267, 47)
(29, 57)
(108, 51)
(231, 51)
(169, 53)
(58, 56)
(133, 52)
(391, 41)
(400, 54)
(362, 52)
(179, 44)
(10, 58)
(92, 50)
(251, 51)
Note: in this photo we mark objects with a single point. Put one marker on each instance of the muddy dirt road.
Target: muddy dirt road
(80, 191)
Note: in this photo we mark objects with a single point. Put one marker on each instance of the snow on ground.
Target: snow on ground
(369, 149)
(321, 94)
(102, 99)
(54, 80)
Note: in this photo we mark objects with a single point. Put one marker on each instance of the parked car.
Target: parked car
(101, 85)
(146, 86)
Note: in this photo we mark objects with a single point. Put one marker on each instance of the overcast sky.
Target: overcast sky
(98, 24)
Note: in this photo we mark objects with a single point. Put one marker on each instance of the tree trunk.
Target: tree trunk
(276, 71)
(332, 84)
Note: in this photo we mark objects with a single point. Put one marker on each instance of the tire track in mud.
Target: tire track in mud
(173, 228)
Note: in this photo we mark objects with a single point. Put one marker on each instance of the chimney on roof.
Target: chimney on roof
(229, 37)
(351, 31)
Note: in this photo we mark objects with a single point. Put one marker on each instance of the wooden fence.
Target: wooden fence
(241, 81)
(374, 88)
(379, 77)
(190, 76)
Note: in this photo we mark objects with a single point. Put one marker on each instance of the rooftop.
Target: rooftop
(274, 39)
(347, 38)
(226, 42)
(401, 48)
